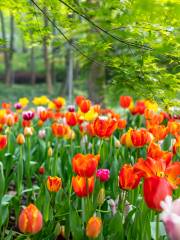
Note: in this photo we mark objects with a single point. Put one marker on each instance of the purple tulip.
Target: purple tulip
(28, 115)
(103, 174)
(17, 106)
(171, 217)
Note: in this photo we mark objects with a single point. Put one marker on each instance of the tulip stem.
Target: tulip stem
(157, 226)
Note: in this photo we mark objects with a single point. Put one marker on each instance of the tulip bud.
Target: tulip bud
(94, 227)
(28, 131)
(101, 197)
(42, 133)
(30, 220)
(50, 152)
(10, 120)
(20, 139)
(41, 170)
(54, 184)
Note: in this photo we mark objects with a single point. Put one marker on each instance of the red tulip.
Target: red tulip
(128, 178)
(85, 105)
(71, 118)
(125, 101)
(83, 186)
(155, 190)
(3, 141)
(104, 127)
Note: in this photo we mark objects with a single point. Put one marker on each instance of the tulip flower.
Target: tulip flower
(93, 227)
(71, 108)
(103, 175)
(28, 131)
(139, 108)
(152, 117)
(20, 139)
(85, 105)
(152, 168)
(43, 115)
(71, 118)
(173, 127)
(42, 133)
(176, 146)
(139, 137)
(154, 151)
(128, 178)
(82, 186)
(17, 106)
(85, 165)
(58, 129)
(54, 184)
(104, 126)
(41, 170)
(171, 217)
(125, 101)
(59, 102)
(158, 131)
(122, 123)
(126, 139)
(28, 115)
(155, 190)
(30, 220)
(78, 99)
(3, 141)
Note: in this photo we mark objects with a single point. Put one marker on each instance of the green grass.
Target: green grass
(16, 91)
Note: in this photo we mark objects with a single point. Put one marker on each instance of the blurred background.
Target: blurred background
(97, 48)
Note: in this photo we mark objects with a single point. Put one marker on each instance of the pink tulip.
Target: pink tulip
(103, 174)
(171, 217)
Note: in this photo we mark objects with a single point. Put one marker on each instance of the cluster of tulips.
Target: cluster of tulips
(86, 172)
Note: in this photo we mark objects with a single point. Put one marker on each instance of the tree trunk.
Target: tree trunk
(70, 73)
(6, 55)
(47, 61)
(33, 74)
(96, 83)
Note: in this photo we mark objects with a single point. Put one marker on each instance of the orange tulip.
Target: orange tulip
(176, 146)
(30, 220)
(173, 127)
(125, 101)
(85, 165)
(152, 117)
(151, 167)
(158, 131)
(3, 141)
(104, 127)
(71, 118)
(126, 139)
(54, 184)
(139, 137)
(135, 138)
(154, 151)
(82, 186)
(10, 120)
(94, 227)
(85, 105)
(20, 139)
(122, 123)
(128, 178)
(58, 129)
(155, 190)
(90, 129)
(43, 115)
